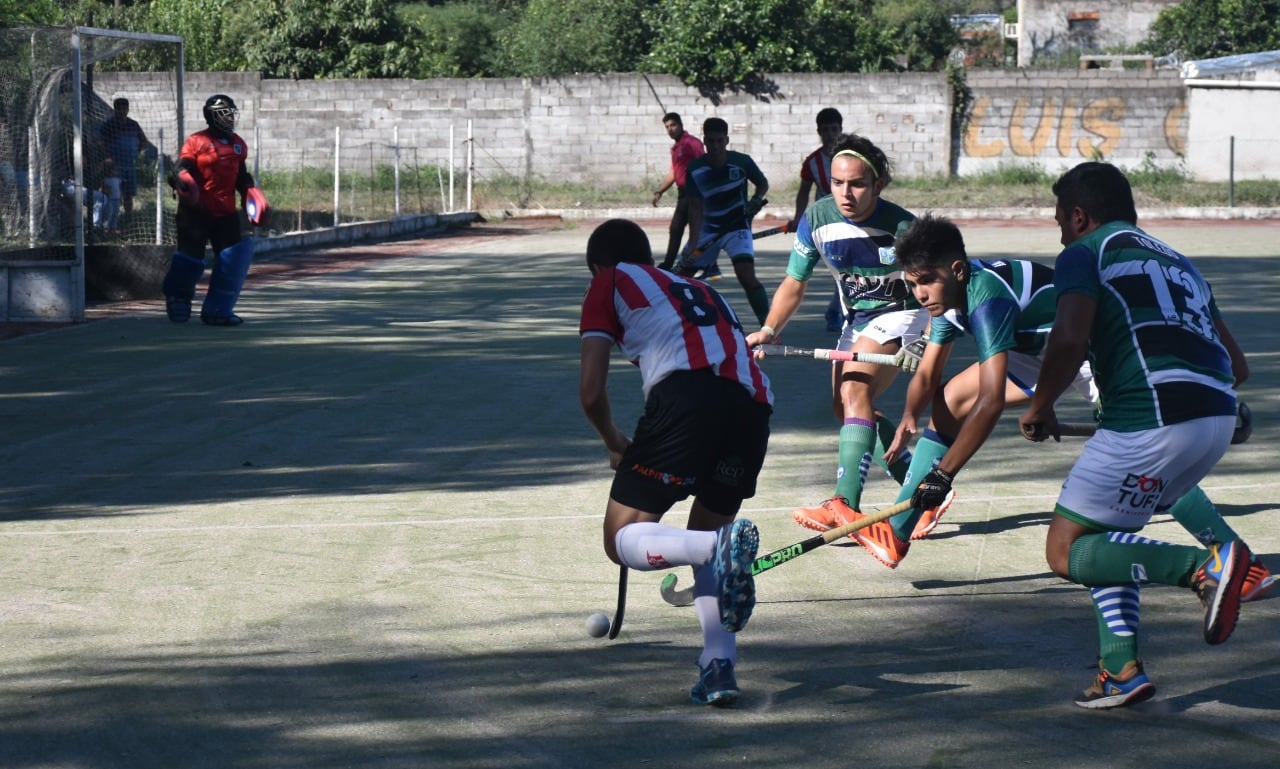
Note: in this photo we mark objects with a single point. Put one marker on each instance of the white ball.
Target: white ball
(597, 625)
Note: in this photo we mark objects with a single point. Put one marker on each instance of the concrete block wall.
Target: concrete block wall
(594, 129)
(605, 130)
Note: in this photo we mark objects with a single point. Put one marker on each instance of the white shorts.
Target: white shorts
(904, 324)
(1024, 371)
(737, 244)
(1122, 479)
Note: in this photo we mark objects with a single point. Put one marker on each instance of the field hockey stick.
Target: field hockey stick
(615, 626)
(1065, 429)
(768, 232)
(880, 359)
(778, 557)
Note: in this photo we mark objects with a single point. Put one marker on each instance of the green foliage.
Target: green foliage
(330, 39)
(15, 13)
(1206, 29)
(213, 31)
(561, 37)
(923, 32)
(459, 40)
(718, 44)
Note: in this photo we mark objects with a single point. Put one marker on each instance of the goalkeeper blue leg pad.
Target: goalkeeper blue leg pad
(179, 285)
(229, 272)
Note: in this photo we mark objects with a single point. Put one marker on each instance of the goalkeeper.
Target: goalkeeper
(210, 171)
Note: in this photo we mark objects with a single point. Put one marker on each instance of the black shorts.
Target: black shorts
(700, 434)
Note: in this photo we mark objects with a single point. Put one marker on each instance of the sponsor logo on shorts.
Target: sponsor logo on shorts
(667, 479)
(1139, 493)
(730, 471)
(1138, 573)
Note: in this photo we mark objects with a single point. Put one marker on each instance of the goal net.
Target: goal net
(89, 121)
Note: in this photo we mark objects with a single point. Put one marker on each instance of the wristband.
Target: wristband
(769, 330)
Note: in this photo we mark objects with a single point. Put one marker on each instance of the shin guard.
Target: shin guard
(179, 285)
(225, 282)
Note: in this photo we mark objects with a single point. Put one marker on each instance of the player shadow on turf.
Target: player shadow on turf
(1255, 693)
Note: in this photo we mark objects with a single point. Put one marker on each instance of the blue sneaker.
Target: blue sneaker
(716, 685)
(1114, 690)
(736, 546)
(1218, 582)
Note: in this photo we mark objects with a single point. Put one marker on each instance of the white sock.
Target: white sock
(717, 643)
(652, 546)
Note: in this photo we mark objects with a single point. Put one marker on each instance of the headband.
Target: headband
(874, 173)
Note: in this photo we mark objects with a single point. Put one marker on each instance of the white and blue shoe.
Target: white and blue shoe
(736, 546)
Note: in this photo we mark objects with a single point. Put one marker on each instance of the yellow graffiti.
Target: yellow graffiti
(1091, 130)
(1099, 119)
(1044, 128)
(973, 147)
(1173, 125)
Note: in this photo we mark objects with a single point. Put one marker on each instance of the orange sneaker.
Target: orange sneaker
(822, 517)
(929, 520)
(1257, 581)
(878, 539)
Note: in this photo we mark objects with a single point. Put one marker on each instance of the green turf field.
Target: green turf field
(363, 530)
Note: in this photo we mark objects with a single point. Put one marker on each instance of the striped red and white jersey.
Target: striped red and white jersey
(817, 169)
(665, 323)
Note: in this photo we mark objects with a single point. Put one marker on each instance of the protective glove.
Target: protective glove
(188, 190)
(933, 490)
(754, 205)
(256, 207)
(909, 356)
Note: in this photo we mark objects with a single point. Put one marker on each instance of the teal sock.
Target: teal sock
(1117, 612)
(855, 441)
(758, 298)
(1199, 516)
(885, 430)
(929, 449)
(1115, 558)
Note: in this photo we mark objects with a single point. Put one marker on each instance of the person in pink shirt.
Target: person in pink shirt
(685, 150)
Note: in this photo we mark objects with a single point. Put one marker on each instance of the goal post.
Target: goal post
(89, 121)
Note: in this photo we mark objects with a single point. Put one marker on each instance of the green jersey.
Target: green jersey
(859, 256)
(1156, 354)
(723, 191)
(1009, 305)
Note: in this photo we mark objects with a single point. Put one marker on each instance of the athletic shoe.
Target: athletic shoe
(716, 685)
(1114, 690)
(1257, 581)
(708, 273)
(736, 546)
(929, 519)
(822, 517)
(221, 320)
(878, 539)
(178, 310)
(1218, 582)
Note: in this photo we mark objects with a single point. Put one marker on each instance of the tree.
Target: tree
(561, 37)
(330, 39)
(718, 44)
(15, 13)
(1206, 29)
(460, 40)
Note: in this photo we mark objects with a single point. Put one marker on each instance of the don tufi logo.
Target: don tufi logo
(1139, 492)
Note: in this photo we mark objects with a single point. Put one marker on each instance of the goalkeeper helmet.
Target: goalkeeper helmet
(220, 113)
